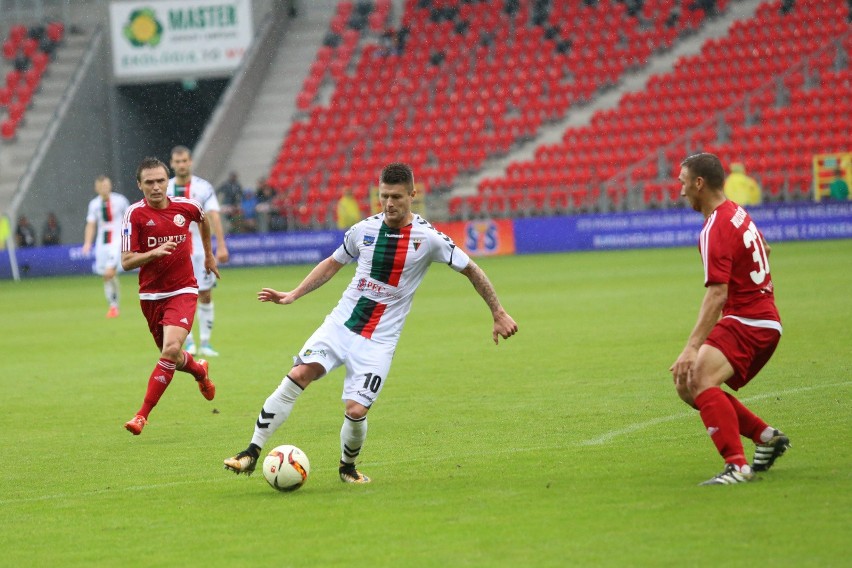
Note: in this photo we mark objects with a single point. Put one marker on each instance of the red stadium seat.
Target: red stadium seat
(10, 50)
(8, 129)
(55, 31)
(13, 77)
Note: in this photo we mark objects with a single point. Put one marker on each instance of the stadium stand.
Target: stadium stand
(785, 103)
(27, 54)
(463, 81)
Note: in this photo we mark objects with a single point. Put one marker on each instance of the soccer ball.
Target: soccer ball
(286, 468)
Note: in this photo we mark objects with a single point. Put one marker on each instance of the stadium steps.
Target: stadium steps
(16, 156)
(580, 115)
(275, 103)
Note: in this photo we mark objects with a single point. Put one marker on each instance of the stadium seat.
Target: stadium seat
(8, 129)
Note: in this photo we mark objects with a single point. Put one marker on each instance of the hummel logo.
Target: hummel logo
(184, 320)
(150, 223)
(266, 416)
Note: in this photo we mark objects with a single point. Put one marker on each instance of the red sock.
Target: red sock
(720, 418)
(751, 426)
(192, 367)
(157, 384)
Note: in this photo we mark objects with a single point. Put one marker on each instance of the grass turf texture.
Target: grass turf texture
(566, 445)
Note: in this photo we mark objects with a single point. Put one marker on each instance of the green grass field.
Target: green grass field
(564, 446)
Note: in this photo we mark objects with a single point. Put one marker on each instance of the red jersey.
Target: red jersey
(732, 251)
(146, 228)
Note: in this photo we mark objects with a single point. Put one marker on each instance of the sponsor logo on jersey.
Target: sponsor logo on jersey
(309, 352)
(180, 220)
(739, 217)
(157, 241)
(126, 231)
(369, 240)
(364, 284)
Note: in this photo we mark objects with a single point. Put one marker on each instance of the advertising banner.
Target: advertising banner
(641, 229)
(676, 227)
(482, 237)
(161, 39)
(245, 250)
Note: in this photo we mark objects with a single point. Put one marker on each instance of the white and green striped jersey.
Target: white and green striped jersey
(200, 190)
(391, 265)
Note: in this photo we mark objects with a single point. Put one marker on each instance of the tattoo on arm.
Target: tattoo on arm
(315, 283)
(482, 285)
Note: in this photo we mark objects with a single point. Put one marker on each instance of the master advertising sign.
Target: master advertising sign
(161, 39)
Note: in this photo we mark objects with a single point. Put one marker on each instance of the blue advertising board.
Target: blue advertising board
(675, 227)
(245, 250)
(629, 230)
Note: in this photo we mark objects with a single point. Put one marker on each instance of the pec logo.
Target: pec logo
(180, 220)
(362, 283)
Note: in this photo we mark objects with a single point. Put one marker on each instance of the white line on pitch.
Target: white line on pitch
(608, 436)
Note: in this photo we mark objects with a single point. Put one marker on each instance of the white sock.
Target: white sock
(352, 436)
(767, 434)
(205, 322)
(111, 291)
(275, 410)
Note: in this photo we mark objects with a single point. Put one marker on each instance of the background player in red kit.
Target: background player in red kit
(730, 349)
(155, 238)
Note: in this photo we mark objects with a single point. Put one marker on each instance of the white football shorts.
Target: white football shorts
(206, 280)
(367, 362)
(107, 256)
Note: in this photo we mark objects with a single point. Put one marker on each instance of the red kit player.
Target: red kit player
(155, 239)
(738, 324)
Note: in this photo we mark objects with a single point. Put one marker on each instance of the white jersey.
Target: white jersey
(391, 265)
(107, 214)
(201, 191)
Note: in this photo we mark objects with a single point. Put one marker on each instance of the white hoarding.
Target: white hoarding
(189, 38)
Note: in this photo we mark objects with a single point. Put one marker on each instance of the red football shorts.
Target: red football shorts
(747, 348)
(176, 310)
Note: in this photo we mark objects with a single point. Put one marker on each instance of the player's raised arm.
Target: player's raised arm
(322, 273)
(504, 325)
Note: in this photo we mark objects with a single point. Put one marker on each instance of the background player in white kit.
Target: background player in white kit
(184, 184)
(103, 230)
(394, 250)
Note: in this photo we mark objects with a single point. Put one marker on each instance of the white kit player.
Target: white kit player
(103, 231)
(184, 184)
(393, 250)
